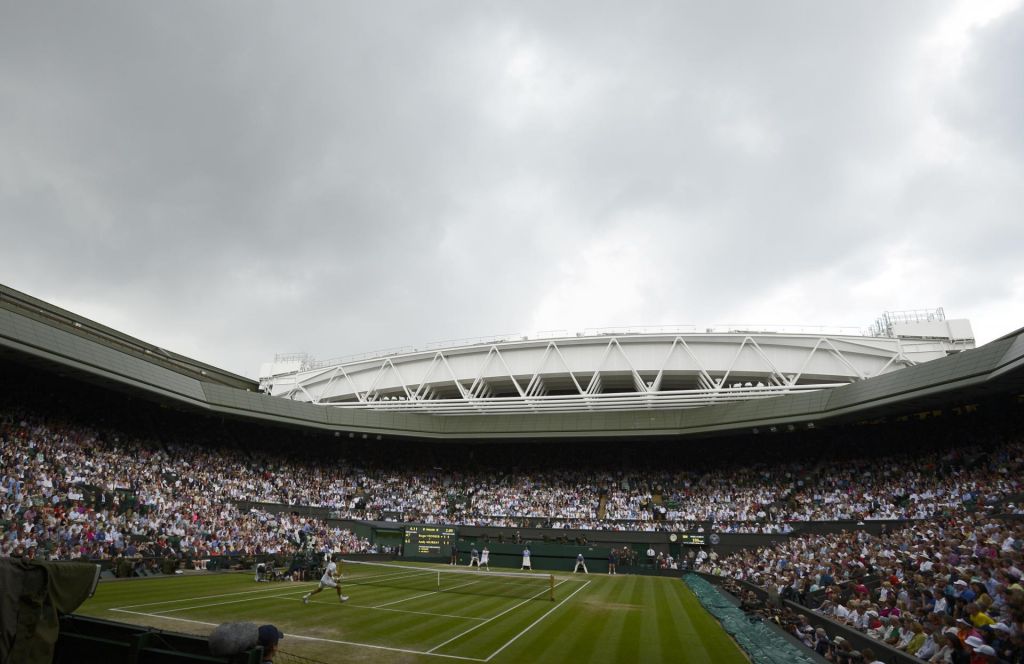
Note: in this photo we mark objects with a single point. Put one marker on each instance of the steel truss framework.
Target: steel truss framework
(630, 372)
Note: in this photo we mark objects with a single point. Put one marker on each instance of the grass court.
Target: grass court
(399, 616)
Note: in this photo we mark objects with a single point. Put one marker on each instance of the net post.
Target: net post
(551, 582)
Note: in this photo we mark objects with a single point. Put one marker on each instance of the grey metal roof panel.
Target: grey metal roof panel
(24, 332)
(28, 335)
(1014, 354)
(951, 371)
(254, 404)
(56, 317)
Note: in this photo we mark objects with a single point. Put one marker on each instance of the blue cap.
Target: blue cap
(270, 635)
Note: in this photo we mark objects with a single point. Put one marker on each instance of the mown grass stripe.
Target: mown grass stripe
(669, 610)
(630, 591)
(481, 606)
(570, 637)
(717, 641)
(267, 590)
(593, 621)
(546, 614)
(614, 619)
(329, 615)
(506, 611)
(481, 642)
(653, 630)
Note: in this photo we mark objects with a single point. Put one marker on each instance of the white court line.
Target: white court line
(377, 608)
(313, 638)
(421, 613)
(286, 596)
(233, 601)
(381, 606)
(192, 599)
(528, 599)
(532, 625)
(374, 581)
(433, 592)
(400, 572)
(374, 577)
(306, 585)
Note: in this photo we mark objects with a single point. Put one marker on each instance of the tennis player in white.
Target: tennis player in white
(328, 580)
(526, 559)
(485, 557)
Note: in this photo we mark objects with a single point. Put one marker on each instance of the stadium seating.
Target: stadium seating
(74, 489)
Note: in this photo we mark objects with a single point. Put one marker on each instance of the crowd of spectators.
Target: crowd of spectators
(943, 584)
(149, 492)
(765, 499)
(69, 492)
(942, 591)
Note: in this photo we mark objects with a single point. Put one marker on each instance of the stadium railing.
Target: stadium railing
(883, 651)
(85, 639)
(859, 640)
(764, 641)
(146, 566)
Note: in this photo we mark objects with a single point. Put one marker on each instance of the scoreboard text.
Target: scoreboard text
(428, 541)
(692, 540)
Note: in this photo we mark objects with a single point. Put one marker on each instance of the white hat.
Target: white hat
(1002, 627)
(985, 650)
(974, 642)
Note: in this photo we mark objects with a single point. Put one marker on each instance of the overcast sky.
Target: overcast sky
(235, 180)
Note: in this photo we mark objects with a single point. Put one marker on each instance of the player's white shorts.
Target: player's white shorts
(483, 561)
(328, 582)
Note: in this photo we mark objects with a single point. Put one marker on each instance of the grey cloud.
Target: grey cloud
(337, 178)
(990, 100)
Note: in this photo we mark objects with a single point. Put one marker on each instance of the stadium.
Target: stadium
(714, 494)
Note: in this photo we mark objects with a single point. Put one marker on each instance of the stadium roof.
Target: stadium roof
(618, 370)
(63, 343)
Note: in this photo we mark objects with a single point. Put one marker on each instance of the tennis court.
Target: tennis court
(402, 614)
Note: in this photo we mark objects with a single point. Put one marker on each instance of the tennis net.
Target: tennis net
(430, 579)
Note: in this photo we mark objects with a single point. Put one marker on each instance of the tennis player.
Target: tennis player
(330, 579)
(485, 558)
(526, 559)
(580, 562)
(474, 558)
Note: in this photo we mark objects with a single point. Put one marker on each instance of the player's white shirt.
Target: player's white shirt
(484, 556)
(328, 578)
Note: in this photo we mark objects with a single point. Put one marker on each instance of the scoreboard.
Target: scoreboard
(689, 539)
(428, 541)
